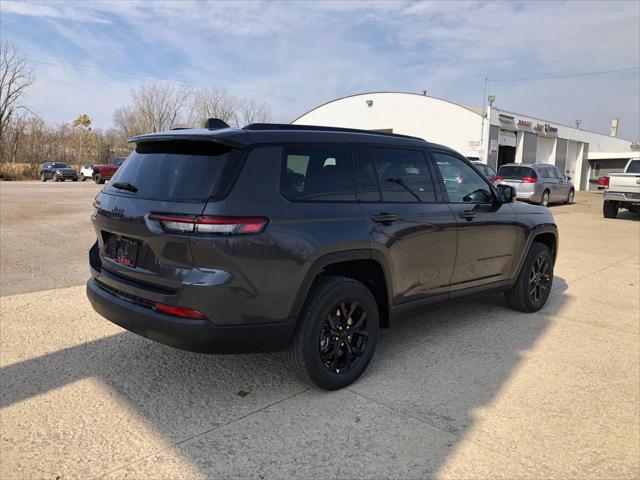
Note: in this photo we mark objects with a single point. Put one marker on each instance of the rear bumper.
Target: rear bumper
(188, 334)
(631, 199)
(528, 196)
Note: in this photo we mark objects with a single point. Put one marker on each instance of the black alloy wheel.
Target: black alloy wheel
(532, 288)
(344, 336)
(336, 333)
(539, 278)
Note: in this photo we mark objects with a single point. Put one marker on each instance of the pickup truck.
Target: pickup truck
(102, 173)
(623, 190)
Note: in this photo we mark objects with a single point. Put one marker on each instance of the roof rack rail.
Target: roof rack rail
(287, 126)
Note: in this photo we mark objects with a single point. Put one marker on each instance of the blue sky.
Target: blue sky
(296, 55)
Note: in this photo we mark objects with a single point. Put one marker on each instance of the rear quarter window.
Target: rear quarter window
(318, 173)
(178, 171)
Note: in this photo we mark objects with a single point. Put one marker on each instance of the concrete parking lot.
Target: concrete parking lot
(465, 390)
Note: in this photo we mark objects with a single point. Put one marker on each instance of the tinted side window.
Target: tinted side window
(403, 175)
(318, 173)
(368, 186)
(544, 173)
(463, 183)
(553, 173)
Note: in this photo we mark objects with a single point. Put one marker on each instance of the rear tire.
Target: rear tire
(82, 177)
(610, 209)
(98, 179)
(533, 285)
(336, 333)
(544, 201)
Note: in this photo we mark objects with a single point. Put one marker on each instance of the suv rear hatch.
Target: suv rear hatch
(145, 214)
(515, 174)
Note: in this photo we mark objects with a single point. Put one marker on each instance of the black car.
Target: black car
(58, 172)
(308, 239)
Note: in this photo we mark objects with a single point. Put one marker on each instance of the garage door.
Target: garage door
(545, 151)
(507, 138)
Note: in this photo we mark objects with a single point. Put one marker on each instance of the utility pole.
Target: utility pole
(484, 114)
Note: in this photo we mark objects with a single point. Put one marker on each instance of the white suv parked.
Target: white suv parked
(86, 171)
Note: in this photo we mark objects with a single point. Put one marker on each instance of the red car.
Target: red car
(101, 173)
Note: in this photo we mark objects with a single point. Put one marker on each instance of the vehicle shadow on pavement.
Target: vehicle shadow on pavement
(247, 415)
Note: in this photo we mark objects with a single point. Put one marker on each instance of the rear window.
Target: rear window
(634, 167)
(517, 172)
(178, 170)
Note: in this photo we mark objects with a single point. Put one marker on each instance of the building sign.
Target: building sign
(474, 144)
(524, 124)
(494, 145)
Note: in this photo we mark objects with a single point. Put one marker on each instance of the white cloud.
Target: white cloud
(300, 54)
(56, 10)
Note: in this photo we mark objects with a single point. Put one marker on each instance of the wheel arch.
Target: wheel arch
(366, 266)
(545, 234)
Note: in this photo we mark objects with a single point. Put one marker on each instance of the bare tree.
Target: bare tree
(14, 134)
(156, 106)
(251, 111)
(211, 103)
(15, 77)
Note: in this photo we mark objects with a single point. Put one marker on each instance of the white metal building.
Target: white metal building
(497, 138)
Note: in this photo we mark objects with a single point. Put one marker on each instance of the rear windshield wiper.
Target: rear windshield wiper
(405, 186)
(125, 186)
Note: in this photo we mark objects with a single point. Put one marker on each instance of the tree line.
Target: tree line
(25, 137)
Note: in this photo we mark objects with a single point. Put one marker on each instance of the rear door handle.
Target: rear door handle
(467, 215)
(384, 218)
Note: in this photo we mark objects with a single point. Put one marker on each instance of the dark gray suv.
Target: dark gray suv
(308, 239)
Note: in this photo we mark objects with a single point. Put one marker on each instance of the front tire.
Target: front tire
(43, 177)
(336, 334)
(610, 209)
(570, 197)
(82, 177)
(533, 285)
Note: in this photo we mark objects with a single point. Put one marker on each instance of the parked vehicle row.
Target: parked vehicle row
(308, 239)
(622, 190)
(60, 172)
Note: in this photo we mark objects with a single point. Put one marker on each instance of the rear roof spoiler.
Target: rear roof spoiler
(231, 137)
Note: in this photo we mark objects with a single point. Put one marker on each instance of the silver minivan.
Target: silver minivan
(537, 182)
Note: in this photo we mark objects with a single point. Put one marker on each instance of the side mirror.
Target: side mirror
(506, 193)
(568, 179)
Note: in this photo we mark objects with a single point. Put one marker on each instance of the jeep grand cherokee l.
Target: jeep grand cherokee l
(308, 239)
